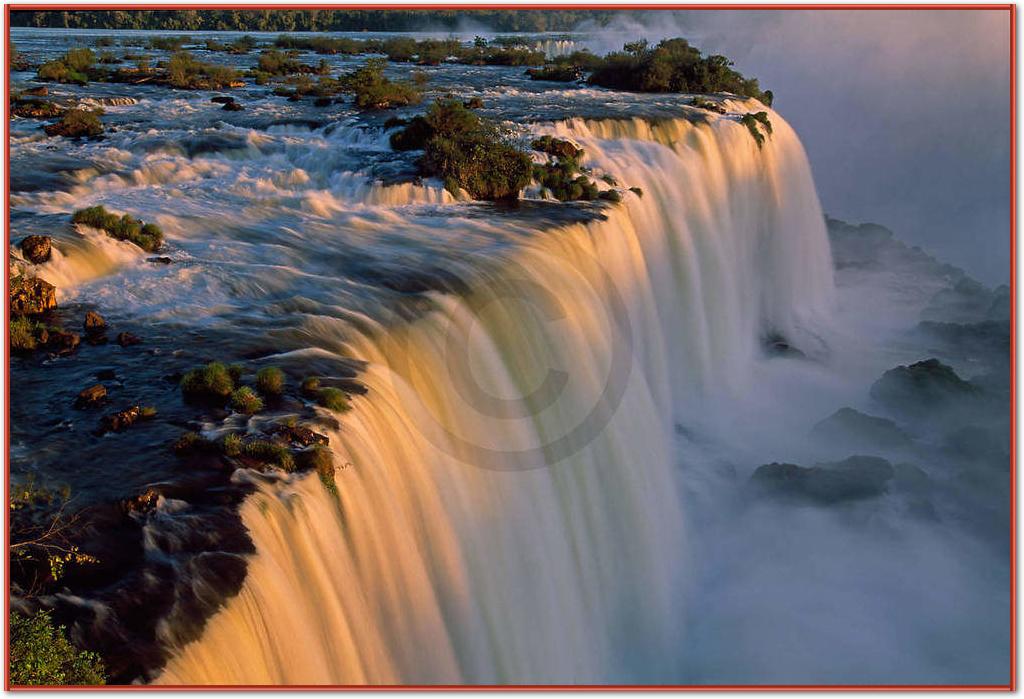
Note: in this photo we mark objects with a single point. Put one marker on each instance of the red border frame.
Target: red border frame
(1011, 686)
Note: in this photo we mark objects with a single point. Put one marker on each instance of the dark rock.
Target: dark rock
(473, 103)
(36, 109)
(849, 428)
(32, 296)
(61, 342)
(162, 260)
(91, 396)
(36, 248)
(775, 345)
(921, 388)
(94, 323)
(143, 502)
(979, 446)
(855, 478)
(232, 107)
(222, 99)
(127, 339)
(322, 102)
(124, 419)
(910, 478)
(106, 375)
(296, 434)
(41, 91)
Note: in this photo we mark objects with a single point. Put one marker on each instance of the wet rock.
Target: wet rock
(94, 323)
(61, 342)
(36, 109)
(297, 434)
(322, 102)
(162, 260)
(222, 99)
(855, 478)
(775, 345)
(232, 107)
(124, 419)
(473, 103)
(32, 296)
(126, 339)
(36, 248)
(921, 388)
(41, 91)
(143, 502)
(106, 375)
(849, 428)
(91, 396)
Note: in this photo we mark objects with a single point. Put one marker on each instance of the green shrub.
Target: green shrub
(210, 381)
(275, 62)
(270, 381)
(185, 72)
(373, 90)
(23, 335)
(320, 459)
(169, 43)
(466, 151)
(76, 123)
(270, 453)
(563, 73)
(333, 399)
(190, 442)
(147, 236)
(310, 386)
(79, 60)
(244, 400)
(232, 445)
(40, 654)
(671, 66)
(753, 122)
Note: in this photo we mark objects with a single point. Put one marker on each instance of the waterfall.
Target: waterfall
(507, 505)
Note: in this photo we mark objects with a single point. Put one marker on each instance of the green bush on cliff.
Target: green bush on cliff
(40, 654)
(147, 236)
(270, 381)
(465, 151)
(73, 67)
(754, 122)
(77, 123)
(244, 400)
(185, 72)
(270, 453)
(333, 399)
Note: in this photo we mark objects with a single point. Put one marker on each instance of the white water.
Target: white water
(489, 530)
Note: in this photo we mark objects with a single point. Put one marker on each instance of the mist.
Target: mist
(904, 114)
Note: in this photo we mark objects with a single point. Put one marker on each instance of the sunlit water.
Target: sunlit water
(543, 481)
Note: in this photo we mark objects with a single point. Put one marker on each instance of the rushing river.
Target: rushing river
(556, 407)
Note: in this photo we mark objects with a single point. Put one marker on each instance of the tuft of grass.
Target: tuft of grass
(23, 335)
(373, 90)
(270, 381)
(310, 386)
(232, 445)
(270, 453)
(321, 460)
(210, 381)
(76, 123)
(333, 399)
(192, 442)
(245, 401)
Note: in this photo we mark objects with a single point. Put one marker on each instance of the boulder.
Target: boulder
(61, 342)
(232, 107)
(32, 296)
(162, 260)
(127, 339)
(921, 388)
(124, 419)
(36, 248)
(222, 99)
(94, 323)
(849, 428)
(41, 91)
(322, 102)
(296, 434)
(855, 478)
(91, 396)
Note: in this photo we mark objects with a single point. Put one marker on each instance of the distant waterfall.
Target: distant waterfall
(508, 504)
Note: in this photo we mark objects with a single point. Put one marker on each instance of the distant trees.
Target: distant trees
(309, 20)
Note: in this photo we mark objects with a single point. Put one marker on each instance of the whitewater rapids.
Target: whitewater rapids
(508, 503)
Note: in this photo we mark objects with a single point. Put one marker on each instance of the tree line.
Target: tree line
(311, 20)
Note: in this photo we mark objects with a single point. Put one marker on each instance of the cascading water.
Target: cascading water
(507, 506)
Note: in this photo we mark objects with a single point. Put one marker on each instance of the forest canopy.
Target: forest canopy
(312, 20)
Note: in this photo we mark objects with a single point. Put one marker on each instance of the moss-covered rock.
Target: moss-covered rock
(270, 381)
(76, 123)
(31, 296)
(211, 382)
(147, 236)
(36, 248)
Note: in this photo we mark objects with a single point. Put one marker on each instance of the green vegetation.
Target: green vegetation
(333, 399)
(270, 453)
(274, 62)
(232, 445)
(562, 73)
(708, 105)
(312, 20)
(74, 67)
(561, 177)
(23, 335)
(270, 381)
(40, 654)
(753, 122)
(185, 72)
(191, 442)
(77, 123)
(320, 459)
(466, 151)
(373, 90)
(169, 43)
(671, 66)
(310, 386)
(244, 400)
(147, 236)
(212, 381)
(324, 44)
